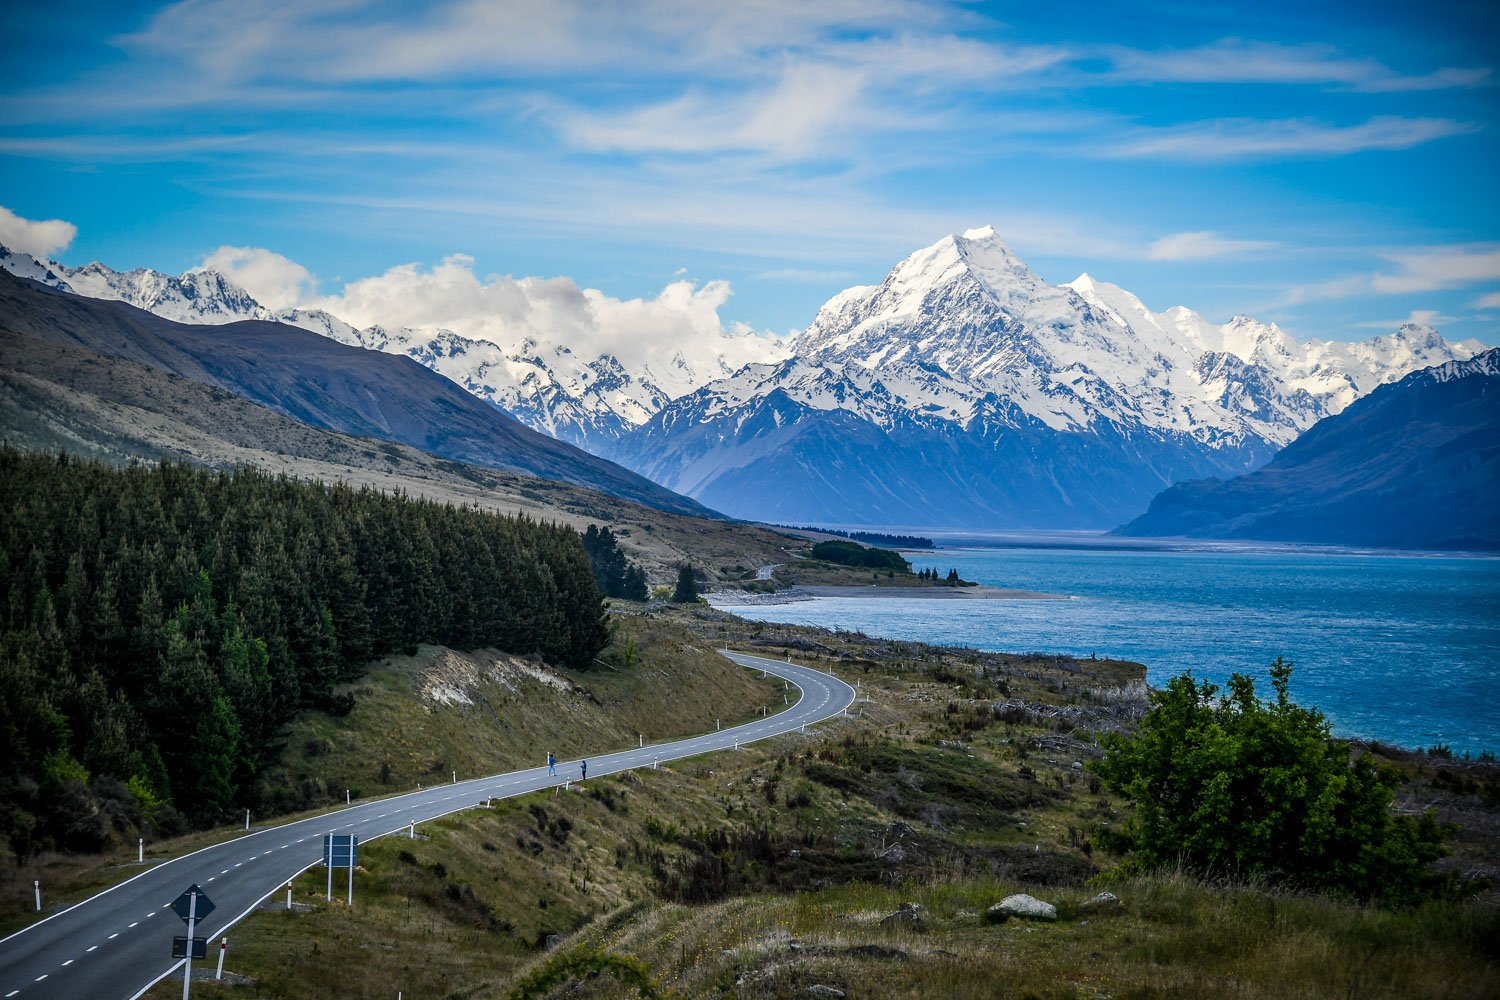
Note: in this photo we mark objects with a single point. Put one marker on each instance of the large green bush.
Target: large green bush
(1228, 784)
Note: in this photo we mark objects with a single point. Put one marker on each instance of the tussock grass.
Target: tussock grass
(798, 849)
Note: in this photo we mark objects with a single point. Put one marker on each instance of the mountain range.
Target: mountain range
(1414, 464)
(963, 389)
(313, 380)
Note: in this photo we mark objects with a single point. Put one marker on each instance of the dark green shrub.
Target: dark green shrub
(1228, 784)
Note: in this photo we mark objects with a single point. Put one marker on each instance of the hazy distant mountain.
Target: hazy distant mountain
(323, 383)
(965, 390)
(1415, 464)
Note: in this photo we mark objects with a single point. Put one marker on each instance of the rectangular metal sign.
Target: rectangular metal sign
(179, 946)
(340, 850)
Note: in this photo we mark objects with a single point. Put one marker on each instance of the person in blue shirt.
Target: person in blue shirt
(584, 766)
(551, 764)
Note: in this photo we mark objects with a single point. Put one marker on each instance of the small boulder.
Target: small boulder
(910, 915)
(830, 992)
(1021, 905)
(1105, 900)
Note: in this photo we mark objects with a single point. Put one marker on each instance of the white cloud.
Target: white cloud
(271, 279)
(1428, 269)
(38, 238)
(1234, 60)
(1202, 245)
(1489, 301)
(1420, 317)
(510, 312)
(1440, 267)
(1248, 138)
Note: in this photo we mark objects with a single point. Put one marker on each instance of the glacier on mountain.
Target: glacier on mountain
(1038, 405)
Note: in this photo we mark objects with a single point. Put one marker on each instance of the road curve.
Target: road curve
(117, 943)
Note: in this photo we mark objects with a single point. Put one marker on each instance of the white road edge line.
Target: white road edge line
(691, 753)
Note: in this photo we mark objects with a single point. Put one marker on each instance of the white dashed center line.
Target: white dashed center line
(114, 935)
(68, 963)
(132, 925)
(91, 947)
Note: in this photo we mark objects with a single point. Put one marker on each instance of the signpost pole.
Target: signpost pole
(351, 872)
(187, 962)
(328, 863)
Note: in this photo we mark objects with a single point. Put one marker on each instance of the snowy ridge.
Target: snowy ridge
(1034, 404)
(960, 348)
(585, 401)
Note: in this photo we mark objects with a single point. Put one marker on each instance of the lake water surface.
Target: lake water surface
(1402, 648)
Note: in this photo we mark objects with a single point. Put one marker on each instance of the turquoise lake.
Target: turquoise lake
(1401, 648)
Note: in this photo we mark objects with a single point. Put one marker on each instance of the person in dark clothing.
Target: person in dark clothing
(584, 767)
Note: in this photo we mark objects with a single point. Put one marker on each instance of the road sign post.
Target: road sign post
(192, 906)
(340, 851)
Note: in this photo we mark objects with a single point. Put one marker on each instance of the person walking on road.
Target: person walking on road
(584, 767)
(551, 764)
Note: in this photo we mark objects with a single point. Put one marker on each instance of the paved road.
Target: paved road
(116, 944)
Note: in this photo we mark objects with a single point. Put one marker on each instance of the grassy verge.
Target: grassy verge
(418, 718)
(956, 782)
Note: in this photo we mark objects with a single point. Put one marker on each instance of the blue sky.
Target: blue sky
(1334, 170)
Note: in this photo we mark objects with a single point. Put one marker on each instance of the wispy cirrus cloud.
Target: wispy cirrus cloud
(1203, 245)
(1238, 60)
(1252, 139)
(1428, 269)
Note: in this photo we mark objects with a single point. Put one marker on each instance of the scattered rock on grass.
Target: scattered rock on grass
(1105, 900)
(910, 914)
(831, 992)
(1021, 905)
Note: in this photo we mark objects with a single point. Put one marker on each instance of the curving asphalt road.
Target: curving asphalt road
(116, 944)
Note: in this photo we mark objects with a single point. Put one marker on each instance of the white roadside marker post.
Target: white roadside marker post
(455, 777)
(223, 947)
(411, 831)
(247, 819)
(37, 885)
(289, 895)
(140, 850)
(187, 963)
(348, 799)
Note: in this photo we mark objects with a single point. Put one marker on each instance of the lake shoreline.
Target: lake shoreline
(811, 592)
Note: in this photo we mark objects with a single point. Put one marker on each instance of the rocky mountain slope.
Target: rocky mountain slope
(961, 390)
(1415, 464)
(319, 382)
(965, 390)
(586, 400)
